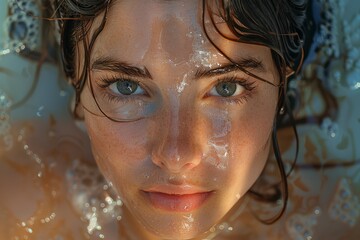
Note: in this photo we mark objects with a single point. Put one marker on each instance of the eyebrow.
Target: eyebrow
(109, 64)
(244, 63)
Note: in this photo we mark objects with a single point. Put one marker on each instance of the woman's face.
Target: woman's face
(193, 132)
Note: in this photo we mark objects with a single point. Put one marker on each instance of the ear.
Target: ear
(289, 72)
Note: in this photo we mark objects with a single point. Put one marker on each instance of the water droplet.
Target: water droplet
(119, 202)
(40, 111)
(108, 200)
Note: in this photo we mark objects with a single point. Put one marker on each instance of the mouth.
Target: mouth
(172, 201)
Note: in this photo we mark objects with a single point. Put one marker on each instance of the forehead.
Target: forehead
(170, 31)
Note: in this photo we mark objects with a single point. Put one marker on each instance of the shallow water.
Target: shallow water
(51, 188)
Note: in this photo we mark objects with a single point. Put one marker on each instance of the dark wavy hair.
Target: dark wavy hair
(276, 24)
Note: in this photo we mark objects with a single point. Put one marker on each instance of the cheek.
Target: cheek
(251, 141)
(239, 133)
(120, 149)
(243, 142)
(248, 153)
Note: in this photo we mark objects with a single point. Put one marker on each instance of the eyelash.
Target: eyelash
(104, 83)
(243, 98)
(248, 85)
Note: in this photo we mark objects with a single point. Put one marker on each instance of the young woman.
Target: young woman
(181, 101)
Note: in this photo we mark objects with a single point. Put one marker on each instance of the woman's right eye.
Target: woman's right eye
(126, 87)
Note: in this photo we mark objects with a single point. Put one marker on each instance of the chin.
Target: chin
(177, 232)
(179, 225)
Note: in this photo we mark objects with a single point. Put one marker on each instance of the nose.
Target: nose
(178, 145)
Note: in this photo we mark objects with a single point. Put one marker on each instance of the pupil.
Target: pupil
(127, 87)
(226, 89)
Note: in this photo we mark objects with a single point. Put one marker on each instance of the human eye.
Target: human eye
(232, 89)
(121, 88)
(125, 87)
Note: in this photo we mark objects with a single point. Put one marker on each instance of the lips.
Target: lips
(184, 199)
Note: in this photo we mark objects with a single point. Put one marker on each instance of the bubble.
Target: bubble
(317, 211)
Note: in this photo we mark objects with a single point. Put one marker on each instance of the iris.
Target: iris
(126, 87)
(226, 89)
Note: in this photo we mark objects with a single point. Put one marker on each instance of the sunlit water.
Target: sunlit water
(51, 188)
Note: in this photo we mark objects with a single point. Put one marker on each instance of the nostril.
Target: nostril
(189, 165)
(175, 165)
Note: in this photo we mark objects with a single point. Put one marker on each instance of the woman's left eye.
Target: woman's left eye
(126, 87)
(227, 89)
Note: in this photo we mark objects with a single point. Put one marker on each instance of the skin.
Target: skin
(178, 132)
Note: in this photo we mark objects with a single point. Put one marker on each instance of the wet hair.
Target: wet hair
(276, 24)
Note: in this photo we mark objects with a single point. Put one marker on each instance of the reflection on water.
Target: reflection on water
(50, 187)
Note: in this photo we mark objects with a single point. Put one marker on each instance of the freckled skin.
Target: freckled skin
(189, 138)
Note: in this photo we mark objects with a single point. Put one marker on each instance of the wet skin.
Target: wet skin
(181, 155)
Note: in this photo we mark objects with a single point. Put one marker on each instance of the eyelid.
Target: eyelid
(243, 81)
(248, 85)
(105, 81)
